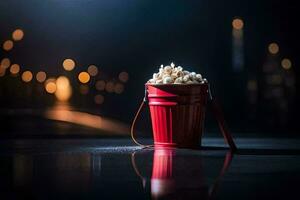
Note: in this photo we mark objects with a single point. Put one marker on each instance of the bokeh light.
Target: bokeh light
(18, 35)
(2, 71)
(92, 70)
(8, 45)
(41, 76)
(5, 63)
(14, 69)
(100, 85)
(99, 99)
(68, 64)
(84, 89)
(119, 88)
(109, 87)
(27, 76)
(286, 63)
(84, 77)
(50, 85)
(63, 89)
(237, 24)
(273, 48)
(123, 76)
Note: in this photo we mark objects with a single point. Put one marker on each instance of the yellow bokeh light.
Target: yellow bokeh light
(68, 64)
(84, 89)
(286, 63)
(18, 34)
(8, 45)
(273, 48)
(14, 69)
(84, 77)
(110, 86)
(119, 88)
(27, 76)
(50, 87)
(92, 70)
(63, 89)
(41, 76)
(237, 24)
(123, 76)
(100, 85)
(99, 99)
(5, 63)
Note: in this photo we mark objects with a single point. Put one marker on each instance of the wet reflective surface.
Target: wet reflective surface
(115, 169)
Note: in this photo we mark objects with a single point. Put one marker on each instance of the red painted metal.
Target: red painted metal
(177, 114)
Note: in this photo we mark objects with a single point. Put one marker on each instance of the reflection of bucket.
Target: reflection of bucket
(177, 113)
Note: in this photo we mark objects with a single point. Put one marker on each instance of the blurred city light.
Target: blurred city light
(119, 88)
(63, 89)
(18, 35)
(286, 63)
(100, 85)
(14, 69)
(68, 64)
(84, 77)
(92, 70)
(273, 48)
(27, 76)
(237, 45)
(2, 71)
(123, 76)
(99, 99)
(8, 45)
(237, 24)
(5, 63)
(88, 120)
(41, 76)
(50, 85)
(110, 86)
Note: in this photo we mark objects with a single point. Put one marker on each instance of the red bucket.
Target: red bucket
(177, 113)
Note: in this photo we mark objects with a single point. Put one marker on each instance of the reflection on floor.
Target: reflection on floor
(113, 169)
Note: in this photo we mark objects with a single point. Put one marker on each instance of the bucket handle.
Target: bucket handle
(132, 133)
(217, 112)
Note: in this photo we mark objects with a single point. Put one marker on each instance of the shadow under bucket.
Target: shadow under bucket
(177, 113)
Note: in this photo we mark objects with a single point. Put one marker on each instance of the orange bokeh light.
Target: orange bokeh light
(237, 24)
(123, 76)
(27, 76)
(119, 88)
(100, 85)
(41, 76)
(84, 77)
(110, 86)
(18, 34)
(8, 45)
(92, 70)
(14, 69)
(273, 48)
(5, 63)
(286, 63)
(68, 64)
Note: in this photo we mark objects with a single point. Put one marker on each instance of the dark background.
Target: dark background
(137, 36)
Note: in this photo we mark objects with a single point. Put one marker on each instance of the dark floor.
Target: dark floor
(116, 169)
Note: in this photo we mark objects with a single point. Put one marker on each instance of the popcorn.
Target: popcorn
(171, 74)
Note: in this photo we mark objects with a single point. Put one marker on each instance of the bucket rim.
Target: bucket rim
(176, 85)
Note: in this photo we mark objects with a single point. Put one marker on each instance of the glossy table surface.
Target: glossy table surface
(117, 169)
